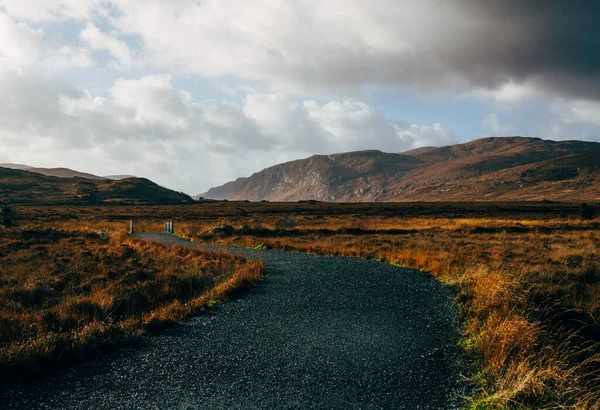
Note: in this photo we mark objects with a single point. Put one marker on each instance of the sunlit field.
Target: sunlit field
(66, 295)
(526, 275)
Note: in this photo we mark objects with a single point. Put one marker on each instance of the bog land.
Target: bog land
(525, 275)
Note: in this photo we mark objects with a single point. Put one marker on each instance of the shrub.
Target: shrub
(285, 223)
(587, 211)
(220, 230)
(7, 216)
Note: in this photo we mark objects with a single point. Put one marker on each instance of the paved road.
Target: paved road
(317, 332)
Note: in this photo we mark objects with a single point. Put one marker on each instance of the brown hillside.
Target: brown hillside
(23, 187)
(511, 168)
(53, 172)
(63, 173)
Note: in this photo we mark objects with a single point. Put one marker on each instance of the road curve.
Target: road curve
(316, 332)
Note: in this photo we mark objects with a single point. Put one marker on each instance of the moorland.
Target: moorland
(67, 295)
(526, 274)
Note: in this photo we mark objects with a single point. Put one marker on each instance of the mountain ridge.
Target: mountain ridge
(494, 168)
(62, 172)
(25, 187)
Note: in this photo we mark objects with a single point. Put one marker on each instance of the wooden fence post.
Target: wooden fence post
(131, 226)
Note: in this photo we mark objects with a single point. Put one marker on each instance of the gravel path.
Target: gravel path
(317, 332)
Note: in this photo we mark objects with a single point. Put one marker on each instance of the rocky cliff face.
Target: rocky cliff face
(511, 168)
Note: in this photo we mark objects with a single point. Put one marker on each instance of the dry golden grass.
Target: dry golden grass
(529, 292)
(67, 294)
(526, 276)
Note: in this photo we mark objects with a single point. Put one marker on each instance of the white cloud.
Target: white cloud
(355, 125)
(49, 10)
(99, 40)
(415, 136)
(22, 49)
(497, 128)
(148, 121)
(284, 122)
(19, 44)
(153, 100)
(323, 45)
(510, 93)
(316, 46)
(578, 112)
(290, 43)
(67, 57)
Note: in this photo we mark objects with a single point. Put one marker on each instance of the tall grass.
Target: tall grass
(528, 283)
(68, 294)
(529, 298)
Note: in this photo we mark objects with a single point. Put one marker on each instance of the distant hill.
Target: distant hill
(507, 168)
(24, 187)
(118, 177)
(15, 166)
(52, 172)
(63, 172)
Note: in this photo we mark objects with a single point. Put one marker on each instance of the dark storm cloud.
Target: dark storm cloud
(553, 43)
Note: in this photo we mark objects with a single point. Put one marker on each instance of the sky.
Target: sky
(195, 93)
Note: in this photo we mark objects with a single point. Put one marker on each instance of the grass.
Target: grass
(526, 275)
(71, 294)
(529, 292)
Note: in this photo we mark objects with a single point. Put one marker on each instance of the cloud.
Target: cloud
(498, 129)
(153, 100)
(353, 124)
(22, 48)
(44, 10)
(99, 40)
(19, 44)
(506, 48)
(510, 93)
(148, 125)
(578, 112)
(415, 136)
(323, 45)
(66, 57)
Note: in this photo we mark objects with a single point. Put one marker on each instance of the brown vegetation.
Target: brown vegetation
(68, 294)
(487, 169)
(529, 292)
(23, 187)
(526, 275)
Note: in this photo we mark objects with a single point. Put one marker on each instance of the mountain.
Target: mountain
(52, 172)
(118, 177)
(506, 168)
(63, 172)
(15, 166)
(223, 191)
(24, 187)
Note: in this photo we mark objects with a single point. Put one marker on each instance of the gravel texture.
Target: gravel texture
(316, 332)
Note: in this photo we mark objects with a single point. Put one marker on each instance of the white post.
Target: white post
(131, 226)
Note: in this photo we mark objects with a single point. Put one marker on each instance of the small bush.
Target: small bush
(220, 230)
(587, 211)
(285, 223)
(7, 216)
